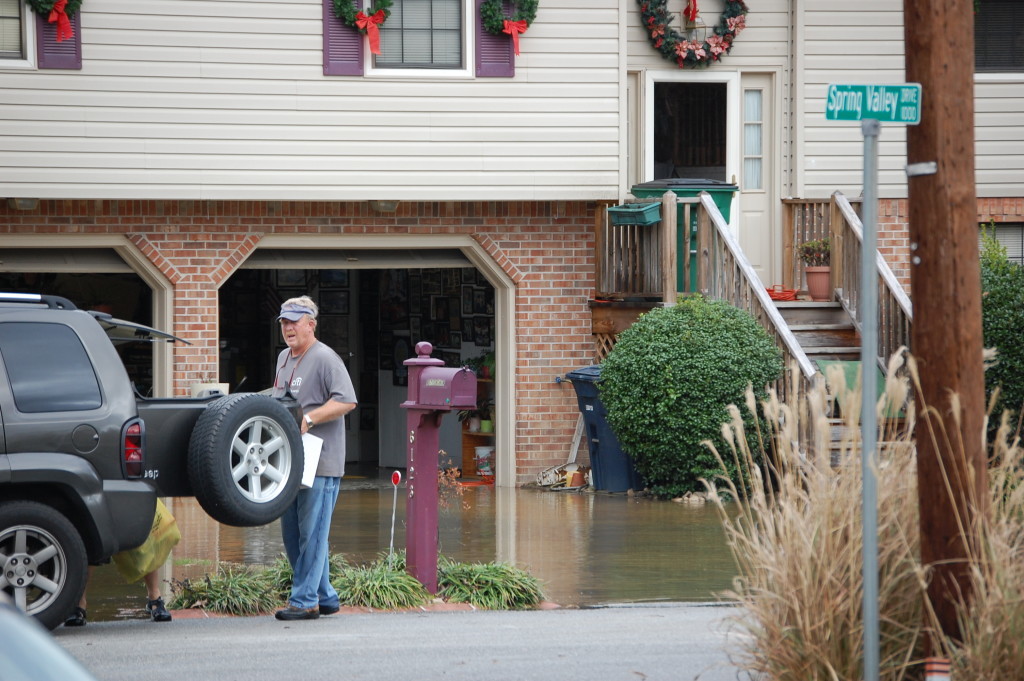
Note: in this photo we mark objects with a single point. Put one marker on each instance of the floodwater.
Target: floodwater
(586, 548)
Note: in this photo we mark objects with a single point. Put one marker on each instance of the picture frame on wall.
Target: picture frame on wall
(439, 308)
(479, 301)
(394, 303)
(481, 331)
(402, 350)
(416, 328)
(467, 300)
(333, 331)
(432, 282)
(451, 280)
(455, 339)
(334, 302)
(334, 278)
(451, 359)
(290, 278)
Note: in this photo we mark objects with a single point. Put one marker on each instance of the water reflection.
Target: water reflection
(586, 549)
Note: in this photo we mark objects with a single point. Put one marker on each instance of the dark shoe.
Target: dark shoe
(292, 613)
(157, 610)
(329, 609)
(76, 618)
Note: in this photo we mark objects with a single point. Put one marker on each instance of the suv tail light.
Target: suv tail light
(132, 446)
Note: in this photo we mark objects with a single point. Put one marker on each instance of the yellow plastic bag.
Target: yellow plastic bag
(134, 564)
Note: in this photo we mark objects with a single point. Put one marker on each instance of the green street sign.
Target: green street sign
(885, 103)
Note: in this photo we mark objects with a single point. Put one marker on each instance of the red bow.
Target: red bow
(690, 13)
(368, 25)
(515, 28)
(58, 15)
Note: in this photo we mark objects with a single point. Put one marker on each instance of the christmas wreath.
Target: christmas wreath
(495, 22)
(692, 53)
(366, 24)
(44, 7)
(58, 12)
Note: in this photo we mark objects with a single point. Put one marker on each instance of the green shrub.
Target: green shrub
(1002, 315)
(669, 379)
(494, 586)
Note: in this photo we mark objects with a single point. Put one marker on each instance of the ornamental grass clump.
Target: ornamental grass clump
(494, 586)
(669, 380)
(798, 544)
(382, 585)
(796, 535)
(232, 589)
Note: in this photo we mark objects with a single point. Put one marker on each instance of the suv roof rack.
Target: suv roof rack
(52, 302)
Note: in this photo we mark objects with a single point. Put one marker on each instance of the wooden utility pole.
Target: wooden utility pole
(946, 290)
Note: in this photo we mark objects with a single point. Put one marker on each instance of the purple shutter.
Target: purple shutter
(343, 45)
(67, 54)
(495, 56)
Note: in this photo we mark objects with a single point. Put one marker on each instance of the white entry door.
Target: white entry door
(758, 225)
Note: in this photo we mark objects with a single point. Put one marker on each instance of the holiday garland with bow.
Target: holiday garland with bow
(496, 23)
(58, 12)
(367, 24)
(692, 53)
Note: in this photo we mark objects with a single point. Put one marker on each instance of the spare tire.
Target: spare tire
(245, 459)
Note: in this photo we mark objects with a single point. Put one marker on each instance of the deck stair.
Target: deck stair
(824, 330)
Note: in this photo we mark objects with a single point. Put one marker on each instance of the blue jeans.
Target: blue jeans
(305, 526)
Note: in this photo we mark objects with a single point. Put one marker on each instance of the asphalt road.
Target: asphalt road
(673, 642)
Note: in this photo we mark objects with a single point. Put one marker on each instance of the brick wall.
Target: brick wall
(546, 248)
(893, 228)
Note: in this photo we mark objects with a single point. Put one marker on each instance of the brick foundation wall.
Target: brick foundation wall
(894, 230)
(546, 248)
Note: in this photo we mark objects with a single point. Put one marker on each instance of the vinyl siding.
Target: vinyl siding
(227, 100)
(863, 43)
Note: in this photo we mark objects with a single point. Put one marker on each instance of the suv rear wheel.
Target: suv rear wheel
(245, 459)
(43, 561)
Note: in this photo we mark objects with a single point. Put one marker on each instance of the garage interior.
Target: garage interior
(371, 313)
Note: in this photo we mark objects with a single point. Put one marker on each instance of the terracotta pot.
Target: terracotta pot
(819, 282)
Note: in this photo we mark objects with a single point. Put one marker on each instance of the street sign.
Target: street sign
(886, 103)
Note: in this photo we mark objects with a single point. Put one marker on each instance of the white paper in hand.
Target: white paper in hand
(311, 445)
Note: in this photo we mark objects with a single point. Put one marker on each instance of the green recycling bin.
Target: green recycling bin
(721, 193)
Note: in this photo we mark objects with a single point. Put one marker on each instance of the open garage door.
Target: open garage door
(374, 306)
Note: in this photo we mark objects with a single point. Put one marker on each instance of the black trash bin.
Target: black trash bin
(612, 468)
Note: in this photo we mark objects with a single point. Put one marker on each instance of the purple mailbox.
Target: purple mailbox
(434, 390)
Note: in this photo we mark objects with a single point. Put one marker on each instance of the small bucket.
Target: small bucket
(485, 460)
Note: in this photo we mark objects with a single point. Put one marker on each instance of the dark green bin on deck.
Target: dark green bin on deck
(721, 193)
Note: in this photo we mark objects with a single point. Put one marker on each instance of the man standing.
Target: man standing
(315, 376)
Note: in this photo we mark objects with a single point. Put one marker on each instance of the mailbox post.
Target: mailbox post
(434, 390)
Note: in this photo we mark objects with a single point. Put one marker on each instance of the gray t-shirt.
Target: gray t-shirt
(315, 377)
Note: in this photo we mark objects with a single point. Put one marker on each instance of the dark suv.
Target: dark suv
(83, 458)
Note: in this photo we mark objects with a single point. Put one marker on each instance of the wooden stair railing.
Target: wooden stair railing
(724, 273)
(895, 312)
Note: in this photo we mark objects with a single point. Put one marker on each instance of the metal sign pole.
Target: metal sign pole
(869, 393)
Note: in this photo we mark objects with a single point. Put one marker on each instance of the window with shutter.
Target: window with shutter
(343, 45)
(51, 54)
(433, 37)
(494, 55)
(17, 35)
(999, 37)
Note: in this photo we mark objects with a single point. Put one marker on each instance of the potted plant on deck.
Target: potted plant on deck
(478, 420)
(816, 256)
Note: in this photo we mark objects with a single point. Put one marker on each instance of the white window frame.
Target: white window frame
(467, 71)
(28, 31)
